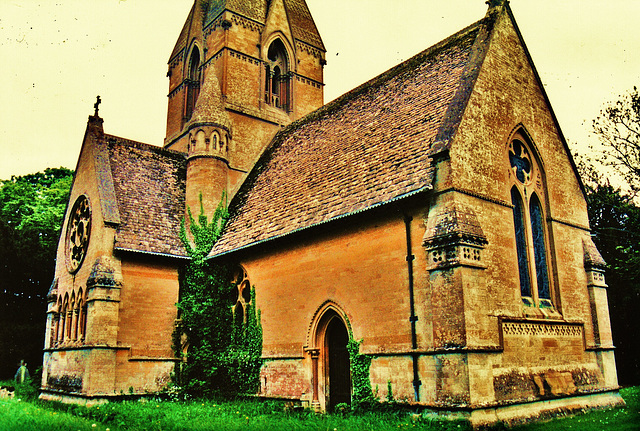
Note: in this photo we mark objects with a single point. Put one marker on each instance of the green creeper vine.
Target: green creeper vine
(362, 396)
(223, 357)
(360, 375)
(204, 233)
(245, 353)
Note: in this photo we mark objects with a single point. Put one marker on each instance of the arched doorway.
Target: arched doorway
(337, 366)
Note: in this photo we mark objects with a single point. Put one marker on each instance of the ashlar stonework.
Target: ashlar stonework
(434, 213)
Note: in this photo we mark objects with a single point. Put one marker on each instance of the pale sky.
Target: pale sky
(58, 55)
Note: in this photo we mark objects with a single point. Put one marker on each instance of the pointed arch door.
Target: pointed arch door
(338, 370)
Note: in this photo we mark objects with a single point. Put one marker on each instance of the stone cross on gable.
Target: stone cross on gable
(496, 3)
(96, 105)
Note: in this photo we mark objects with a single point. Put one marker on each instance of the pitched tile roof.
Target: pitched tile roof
(365, 149)
(149, 186)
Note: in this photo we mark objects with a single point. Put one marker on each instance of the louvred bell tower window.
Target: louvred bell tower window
(192, 83)
(277, 78)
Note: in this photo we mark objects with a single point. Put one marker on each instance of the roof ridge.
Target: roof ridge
(113, 139)
(383, 77)
(458, 104)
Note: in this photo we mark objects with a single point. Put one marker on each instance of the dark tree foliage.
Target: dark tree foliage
(615, 223)
(618, 128)
(223, 355)
(31, 213)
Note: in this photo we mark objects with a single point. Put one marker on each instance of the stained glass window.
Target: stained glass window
(539, 249)
(521, 243)
(520, 161)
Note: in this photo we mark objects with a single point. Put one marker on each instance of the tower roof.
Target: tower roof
(253, 9)
(192, 26)
(204, 12)
(209, 106)
(302, 25)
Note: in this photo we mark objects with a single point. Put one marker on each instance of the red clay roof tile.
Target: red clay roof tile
(363, 150)
(149, 184)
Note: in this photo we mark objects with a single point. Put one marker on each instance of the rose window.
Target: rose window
(78, 232)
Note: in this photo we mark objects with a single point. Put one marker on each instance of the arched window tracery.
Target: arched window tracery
(527, 197)
(521, 242)
(242, 296)
(278, 78)
(74, 317)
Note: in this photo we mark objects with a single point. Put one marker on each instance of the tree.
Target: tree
(31, 213)
(615, 222)
(618, 128)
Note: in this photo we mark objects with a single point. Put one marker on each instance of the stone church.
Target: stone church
(434, 213)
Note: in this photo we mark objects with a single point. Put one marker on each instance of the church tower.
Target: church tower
(239, 72)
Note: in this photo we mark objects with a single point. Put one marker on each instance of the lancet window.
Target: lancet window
(243, 296)
(530, 231)
(192, 82)
(277, 78)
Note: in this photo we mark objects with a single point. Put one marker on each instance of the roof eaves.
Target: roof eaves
(151, 253)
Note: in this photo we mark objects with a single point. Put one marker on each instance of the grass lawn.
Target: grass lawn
(259, 416)
(23, 415)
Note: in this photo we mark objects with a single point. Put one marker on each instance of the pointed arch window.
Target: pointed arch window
(192, 83)
(521, 242)
(527, 195)
(277, 78)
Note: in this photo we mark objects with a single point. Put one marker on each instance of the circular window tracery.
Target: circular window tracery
(78, 232)
(520, 161)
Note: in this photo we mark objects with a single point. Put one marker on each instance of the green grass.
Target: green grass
(268, 416)
(622, 419)
(24, 415)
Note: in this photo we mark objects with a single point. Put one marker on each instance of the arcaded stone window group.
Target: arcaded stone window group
(70, 320)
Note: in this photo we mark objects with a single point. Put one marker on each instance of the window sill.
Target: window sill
(546, 313)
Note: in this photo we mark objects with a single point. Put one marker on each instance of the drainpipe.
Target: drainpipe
(413, 318)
